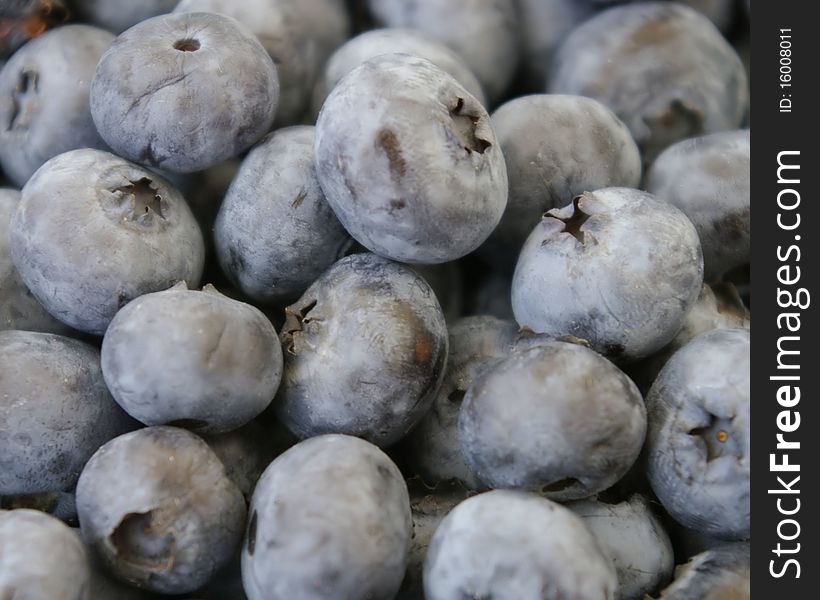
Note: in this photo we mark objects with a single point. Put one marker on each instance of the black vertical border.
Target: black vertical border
(774, 132)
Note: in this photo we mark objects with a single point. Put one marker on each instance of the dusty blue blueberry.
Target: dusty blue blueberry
(634, 540)
(94, 231)
(555, 148)
(119, 15)
(553, 417)
(662, 67)
(159, 510)
(40, 557)
(198, 360)
(55, 411)
(373, 43)
(423, 184)
(617, 267)
(275, 232)
(211, 92)
(508, 544)
(697, 447)
(330, 518)
(44, 89)
(709, 179)
(486, 35)
(19, 309)
(365, 351)
(723, 572)
(327, 21)
(433, 445)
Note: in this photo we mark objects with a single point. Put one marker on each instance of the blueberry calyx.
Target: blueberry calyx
(466, 129)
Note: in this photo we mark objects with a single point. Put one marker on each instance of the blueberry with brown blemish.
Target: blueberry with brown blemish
(158, 508)
(365, 350)
(93, 231)
(698, 452)
(408, 160)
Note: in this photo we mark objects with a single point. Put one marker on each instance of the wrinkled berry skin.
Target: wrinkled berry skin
(171, 357)
(486, 35)
(697, 445)
(365, 351)
(496, 545)
(161, 117)
(55, 411)
(722, 572)
(633, 539)
(475, 342)
(553, 417)
(424, 184)
(275, 232)
(709, 179)
(158, 508)
(44, 91)
(330, 518)
(40, 557)
(662, 67)
(94, 231)
(119, 15)
(19, 309)
(376, 42)
(555, 148)
(618, 268)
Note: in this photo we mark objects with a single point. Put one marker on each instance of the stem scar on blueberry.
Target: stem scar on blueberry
(295, 320)
(138, 542)
(465, 129)
(27, 85)
(187, 45)
(144, 199)
(715, 436)
(573, 224)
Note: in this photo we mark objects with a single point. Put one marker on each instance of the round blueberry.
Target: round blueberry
(330, 518)
(617, 268)
(365, 351)
(556, 147)
(44, 91)
(722, 572)
(508, 544)
(172, 358)
(55, 411)
(119, 15)
(662, 67)
(40, 557)
(211, 91)
(275, 232)
(697, 444)
(553, 417)
(709, 179)
(159, 510)
(409, 162)
(94, 231)
(433, 444)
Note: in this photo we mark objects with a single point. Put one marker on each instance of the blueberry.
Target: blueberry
(371, 44)
(555, 148)
(40, 557)
(330, 518)
(119, 15)
(44, 91)
(593, 270)
(365, 352)
(409, 162)
(160, 511)
(723, 572)
(55, 411)
(507, 544)
(634, 539)
(171, 358)
(275, 232)
(552, 417)
(709, 179)
(19, 309)
(697, 443)
(211, 91)
(433, 444)
(94, 231)
(662, 67)
(486, 35)
(327, 21)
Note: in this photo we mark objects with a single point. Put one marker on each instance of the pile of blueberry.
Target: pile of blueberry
(286, 313)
